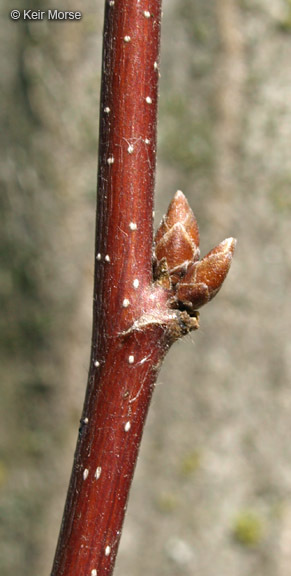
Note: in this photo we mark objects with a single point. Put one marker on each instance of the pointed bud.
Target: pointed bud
(213, 268)
(179, 211)
(204, 279)
(177, 238)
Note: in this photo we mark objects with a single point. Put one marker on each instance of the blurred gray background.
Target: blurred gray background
(212, 490)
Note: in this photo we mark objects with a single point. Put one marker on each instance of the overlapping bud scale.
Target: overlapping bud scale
(193, 282)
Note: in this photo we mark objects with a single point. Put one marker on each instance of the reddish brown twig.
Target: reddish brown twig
(135, 319)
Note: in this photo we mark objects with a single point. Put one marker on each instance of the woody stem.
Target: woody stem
(130, 316)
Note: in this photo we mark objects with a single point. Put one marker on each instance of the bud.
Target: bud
(204, 279)
(177, 238)
(179, 211)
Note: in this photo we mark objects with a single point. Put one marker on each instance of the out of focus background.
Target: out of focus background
(212, 490)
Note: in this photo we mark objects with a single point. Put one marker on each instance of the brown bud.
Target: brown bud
(179, 211)
(177, 238)
(204, 279)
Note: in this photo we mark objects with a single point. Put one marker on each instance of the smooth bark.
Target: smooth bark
(133, 326)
